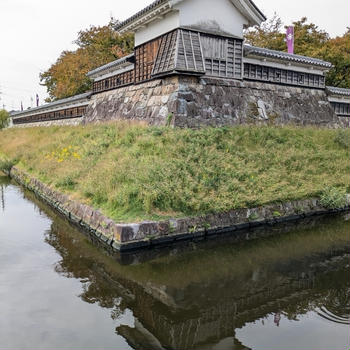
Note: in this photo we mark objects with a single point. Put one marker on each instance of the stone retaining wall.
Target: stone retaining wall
(195, 102)
(59, 122)
(145, 234)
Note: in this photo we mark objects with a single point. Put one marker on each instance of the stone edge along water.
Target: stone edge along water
(130, 236)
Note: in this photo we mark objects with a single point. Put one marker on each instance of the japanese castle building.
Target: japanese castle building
(191, 68)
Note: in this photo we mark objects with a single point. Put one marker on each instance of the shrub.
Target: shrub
(4, 119)
(67, 183)
(6, 164)
(342, 138)
(333, 198)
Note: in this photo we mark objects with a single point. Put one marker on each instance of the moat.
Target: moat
(58, 290)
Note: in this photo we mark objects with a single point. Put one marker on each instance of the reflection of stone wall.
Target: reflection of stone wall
(237, 302)
(193, 102)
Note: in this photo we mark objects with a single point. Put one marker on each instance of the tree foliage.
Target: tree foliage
(96, 47)
(4, 118)
(337, 51)
(309, 41)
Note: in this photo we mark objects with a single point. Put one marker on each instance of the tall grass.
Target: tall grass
(134, 172)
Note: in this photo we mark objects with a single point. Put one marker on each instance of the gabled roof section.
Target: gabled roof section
(121, 62)
(160, 7)
(179, 51)
(253, 51)
(333, 90)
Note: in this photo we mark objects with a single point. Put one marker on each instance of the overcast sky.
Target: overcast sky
(33, 33)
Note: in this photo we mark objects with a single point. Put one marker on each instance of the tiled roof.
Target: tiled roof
(75, 98)
(148, 8)
(157, 3)
(338, 91)
(259, 51)
(113, 64)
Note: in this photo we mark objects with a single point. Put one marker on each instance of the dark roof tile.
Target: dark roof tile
(259, 51)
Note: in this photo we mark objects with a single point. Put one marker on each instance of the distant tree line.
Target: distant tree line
(99, 45)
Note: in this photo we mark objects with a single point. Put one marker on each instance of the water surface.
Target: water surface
(59, 291)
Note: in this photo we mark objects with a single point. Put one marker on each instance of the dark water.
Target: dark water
(59, 291)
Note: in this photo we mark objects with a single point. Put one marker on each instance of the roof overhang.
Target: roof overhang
(250, 11)
(111, 67)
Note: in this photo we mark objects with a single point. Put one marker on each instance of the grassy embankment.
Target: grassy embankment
(134, 172)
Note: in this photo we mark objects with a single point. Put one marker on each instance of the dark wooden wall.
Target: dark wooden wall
(67, 113)
(342, 109)
(283, 76)
(145, 56)
(223, 56)
(113, 82)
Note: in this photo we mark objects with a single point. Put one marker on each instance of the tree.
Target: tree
(337, 51)
(4, 119)
(271, 35)
(268, 35)
(309, 41)
(96, 47)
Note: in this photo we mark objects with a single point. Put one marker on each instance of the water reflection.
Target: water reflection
(209, 295)
(4, 181)
(198, 299)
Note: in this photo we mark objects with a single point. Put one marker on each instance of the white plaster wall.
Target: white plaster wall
(340, 99)
(213, 15)
(156, 28)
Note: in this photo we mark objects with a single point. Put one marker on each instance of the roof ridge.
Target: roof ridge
(339, 90)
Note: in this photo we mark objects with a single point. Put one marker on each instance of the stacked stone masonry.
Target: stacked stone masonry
(183, 101)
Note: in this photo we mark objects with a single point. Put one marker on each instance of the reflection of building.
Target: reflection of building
(191, 70)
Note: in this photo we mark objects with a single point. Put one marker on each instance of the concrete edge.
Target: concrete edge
(132, 236)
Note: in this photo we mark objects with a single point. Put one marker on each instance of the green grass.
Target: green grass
(134, 172)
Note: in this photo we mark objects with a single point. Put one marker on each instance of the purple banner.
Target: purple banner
(290, 39)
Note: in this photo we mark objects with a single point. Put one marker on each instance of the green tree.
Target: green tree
(4, 118)
(269, 35)
(96, 46)
(337, 51)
